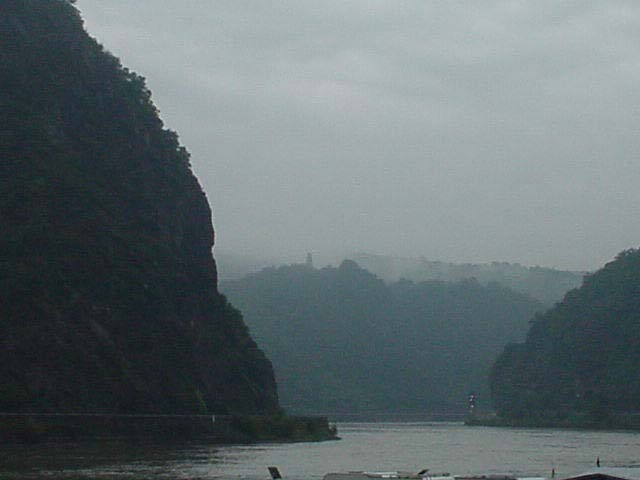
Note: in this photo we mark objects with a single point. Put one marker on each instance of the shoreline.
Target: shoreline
(613, 422)
(215, 429)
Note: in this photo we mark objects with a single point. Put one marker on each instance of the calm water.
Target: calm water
(447, 447)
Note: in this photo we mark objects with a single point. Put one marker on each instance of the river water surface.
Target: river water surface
(449, 447)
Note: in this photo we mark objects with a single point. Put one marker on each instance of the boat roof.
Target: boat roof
(609, 473)
(394, 475)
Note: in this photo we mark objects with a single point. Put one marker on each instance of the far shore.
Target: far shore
(626, 421)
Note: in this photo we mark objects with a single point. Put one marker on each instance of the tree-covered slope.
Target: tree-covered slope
(343, 341)
(581, 359)
(109, 299)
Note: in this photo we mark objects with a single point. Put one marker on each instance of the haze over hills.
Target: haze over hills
(580, 362)
(109, 289)
(344, 341)
(233, 266)
(547, 285)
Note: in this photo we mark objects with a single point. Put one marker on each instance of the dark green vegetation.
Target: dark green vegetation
(580, 363)
(164, 428)
(108, 290)
(544, 284)
(343, 341)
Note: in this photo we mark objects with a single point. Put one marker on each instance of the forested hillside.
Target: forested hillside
(343, 341)
(109, 299)
(580, 362)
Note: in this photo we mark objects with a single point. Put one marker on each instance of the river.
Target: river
(450, 447)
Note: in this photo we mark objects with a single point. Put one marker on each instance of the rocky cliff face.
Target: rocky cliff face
(109, 299)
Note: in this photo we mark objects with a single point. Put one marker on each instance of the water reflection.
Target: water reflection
(108, 459)
(391, 446)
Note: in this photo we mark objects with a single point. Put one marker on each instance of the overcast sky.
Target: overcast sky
(465, 131)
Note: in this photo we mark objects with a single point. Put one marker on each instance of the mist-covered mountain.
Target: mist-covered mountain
(544, 284)
(343, 341)
(232, 266)
(547, 285)
(109, 296)
(580, 363)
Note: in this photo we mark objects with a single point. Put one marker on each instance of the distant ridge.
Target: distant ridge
(344, 342)
(547, 285)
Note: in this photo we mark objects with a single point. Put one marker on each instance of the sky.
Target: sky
(462, 131)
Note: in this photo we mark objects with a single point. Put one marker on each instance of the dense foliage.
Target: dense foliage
(544, 284)
(109, 298)
(581, 359)
(343, 341)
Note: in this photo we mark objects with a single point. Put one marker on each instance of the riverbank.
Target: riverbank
(216, 429)
(627, 421)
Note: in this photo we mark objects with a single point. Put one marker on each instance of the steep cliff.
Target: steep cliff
(108, 289)
(580, 363)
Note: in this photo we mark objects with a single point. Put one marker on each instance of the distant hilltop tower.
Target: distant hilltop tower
(309, 261)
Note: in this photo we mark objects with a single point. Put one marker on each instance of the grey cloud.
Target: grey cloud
(458, 130)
